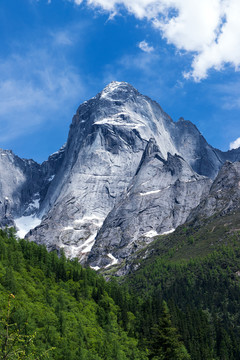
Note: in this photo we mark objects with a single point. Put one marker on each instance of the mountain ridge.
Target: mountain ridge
(81, 184)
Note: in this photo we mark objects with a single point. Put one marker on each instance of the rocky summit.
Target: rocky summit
(126, 173)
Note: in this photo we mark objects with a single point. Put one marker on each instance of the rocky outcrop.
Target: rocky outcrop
(203, 158)
(224, 195)
(23, 186)
(19, 183)
(159, 199)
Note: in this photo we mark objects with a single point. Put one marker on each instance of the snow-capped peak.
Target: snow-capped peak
(114, 88)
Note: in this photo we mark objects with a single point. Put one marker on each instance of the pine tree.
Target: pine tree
(165, 343)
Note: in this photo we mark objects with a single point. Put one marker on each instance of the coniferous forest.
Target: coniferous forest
(170, 308)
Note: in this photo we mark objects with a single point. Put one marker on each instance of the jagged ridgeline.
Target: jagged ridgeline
(126, 173)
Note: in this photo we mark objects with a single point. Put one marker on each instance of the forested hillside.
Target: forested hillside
(182, 303)
(197, 271)
(53, 308)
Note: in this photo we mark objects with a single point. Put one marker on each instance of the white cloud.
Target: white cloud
(235, 144)
(140, 8)
(208, 29)
(144, 46)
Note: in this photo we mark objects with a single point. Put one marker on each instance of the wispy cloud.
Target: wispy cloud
(62, 38)
(227, 95)
(131, 63)
(209, 30)
(144, 46)
(33, 87)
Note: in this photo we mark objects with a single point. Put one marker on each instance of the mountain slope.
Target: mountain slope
(196, 270)
(158, 200)
(75, 189)
(212, 224)
(52, 308)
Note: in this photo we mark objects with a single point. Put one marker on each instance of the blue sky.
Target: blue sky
(54, 55)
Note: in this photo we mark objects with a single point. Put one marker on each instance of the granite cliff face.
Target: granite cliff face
(224, 194)
(15, 190)
(159, 198)
(126, 173)
(23, 186)
(107, 139)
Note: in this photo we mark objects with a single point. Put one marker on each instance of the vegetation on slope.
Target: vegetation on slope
(183, 301)
(197, 271)
(58, 310)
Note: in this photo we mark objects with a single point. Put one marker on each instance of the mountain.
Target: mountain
(14, 194)
(127, 170)
(213, 224)
(158, 199)
(23, 186)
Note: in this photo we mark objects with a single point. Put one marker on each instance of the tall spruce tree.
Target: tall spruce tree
(165, 343)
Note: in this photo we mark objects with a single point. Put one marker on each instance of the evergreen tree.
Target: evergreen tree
(165, 343)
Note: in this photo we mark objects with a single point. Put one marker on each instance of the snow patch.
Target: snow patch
(96, 268)
(26, 223)
(87, 246)
(154, 191)
(109, 89)
(51, 178)
(128, 118)
(189, 180)
(96, 220)
(68, 228)
(151, 233)
(150, 192)
(118, 122)
(168, 232)
(114, 260)
(83, 248)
